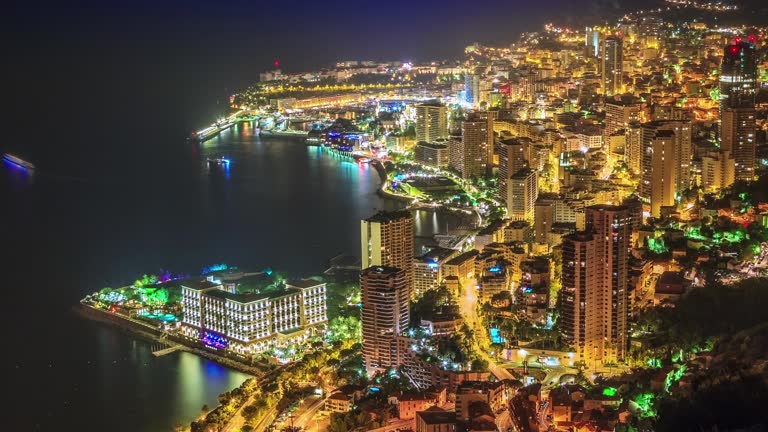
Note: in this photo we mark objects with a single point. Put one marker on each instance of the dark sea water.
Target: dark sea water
(131, 200)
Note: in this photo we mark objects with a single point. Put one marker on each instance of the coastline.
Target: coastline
(382, 189)
(146, 332)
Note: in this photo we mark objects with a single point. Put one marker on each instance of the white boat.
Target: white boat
(219, 161)
(18, 161)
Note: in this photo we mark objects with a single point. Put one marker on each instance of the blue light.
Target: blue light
(495, 269)
(215, 268)
(496, 337)
(433, 265)
(213, 340)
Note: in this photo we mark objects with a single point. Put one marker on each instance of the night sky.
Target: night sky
(137, 51)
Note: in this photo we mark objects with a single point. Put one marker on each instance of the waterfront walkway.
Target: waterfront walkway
(168, 350)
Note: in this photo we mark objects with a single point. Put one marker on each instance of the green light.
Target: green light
(657, 246)
(644, 402)
(609, 391)
(714, 94)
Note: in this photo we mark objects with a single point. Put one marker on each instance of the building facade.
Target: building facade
(385, 315)
(432, 154)
(523, 191)
(431, 121)
(511, 160)
(594, 304)
(387, 240)
(613, 57)
(428, 269)
(252, 323)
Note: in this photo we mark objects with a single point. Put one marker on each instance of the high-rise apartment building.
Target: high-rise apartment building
(675, 135)
(613, 56)
(612, 226)
(511, 160)
(477, 143)
(594, 303)
(592, 42)
(387, 240)
(738, 76)
(472, 87)
(523, 191)
(431, 122)
(738, 130)
(385, 315)
(663, 190)
(618, 116)
(633, 148)
(717, 170)
(738, 86)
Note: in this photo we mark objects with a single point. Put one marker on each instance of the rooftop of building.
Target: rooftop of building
(381, 270)
(665, 133)
(579, 236)
(252, 297)
(523, 173)
(433, 104)
(466, 256)
(436, 255)
(479, 385)
(304, 283)
(520, 224)
(339, 396)
(436, 415)
(432, 145)
(389, 216)
(492, 227)
(199, 285)
(607, 207)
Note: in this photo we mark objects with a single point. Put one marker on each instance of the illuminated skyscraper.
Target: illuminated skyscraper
(738, 86)
(594, 303)
(618, 115)
(511, 160)
(385, 314)
(612, 65)
(668, 172)
(431, 122)
(592, 42)
(477, 143)
(612, 227)
(738, 75)
(387, 240)
(738, 138)
(633, 149)
(472, 88)
(522, 193)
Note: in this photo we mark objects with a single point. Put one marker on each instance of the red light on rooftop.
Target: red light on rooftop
(733, 49)
(277, 63)
(752, 38)
(737, 39)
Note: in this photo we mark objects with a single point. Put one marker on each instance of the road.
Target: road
(543, 411)
(306, 412)
(504, 421)
(468, 308)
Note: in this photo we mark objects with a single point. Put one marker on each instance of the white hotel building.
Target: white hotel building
(251, 323)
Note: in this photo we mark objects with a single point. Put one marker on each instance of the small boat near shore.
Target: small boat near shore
(18, 161)
(219, 161)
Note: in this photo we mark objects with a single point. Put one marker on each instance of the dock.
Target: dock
(163, 349)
